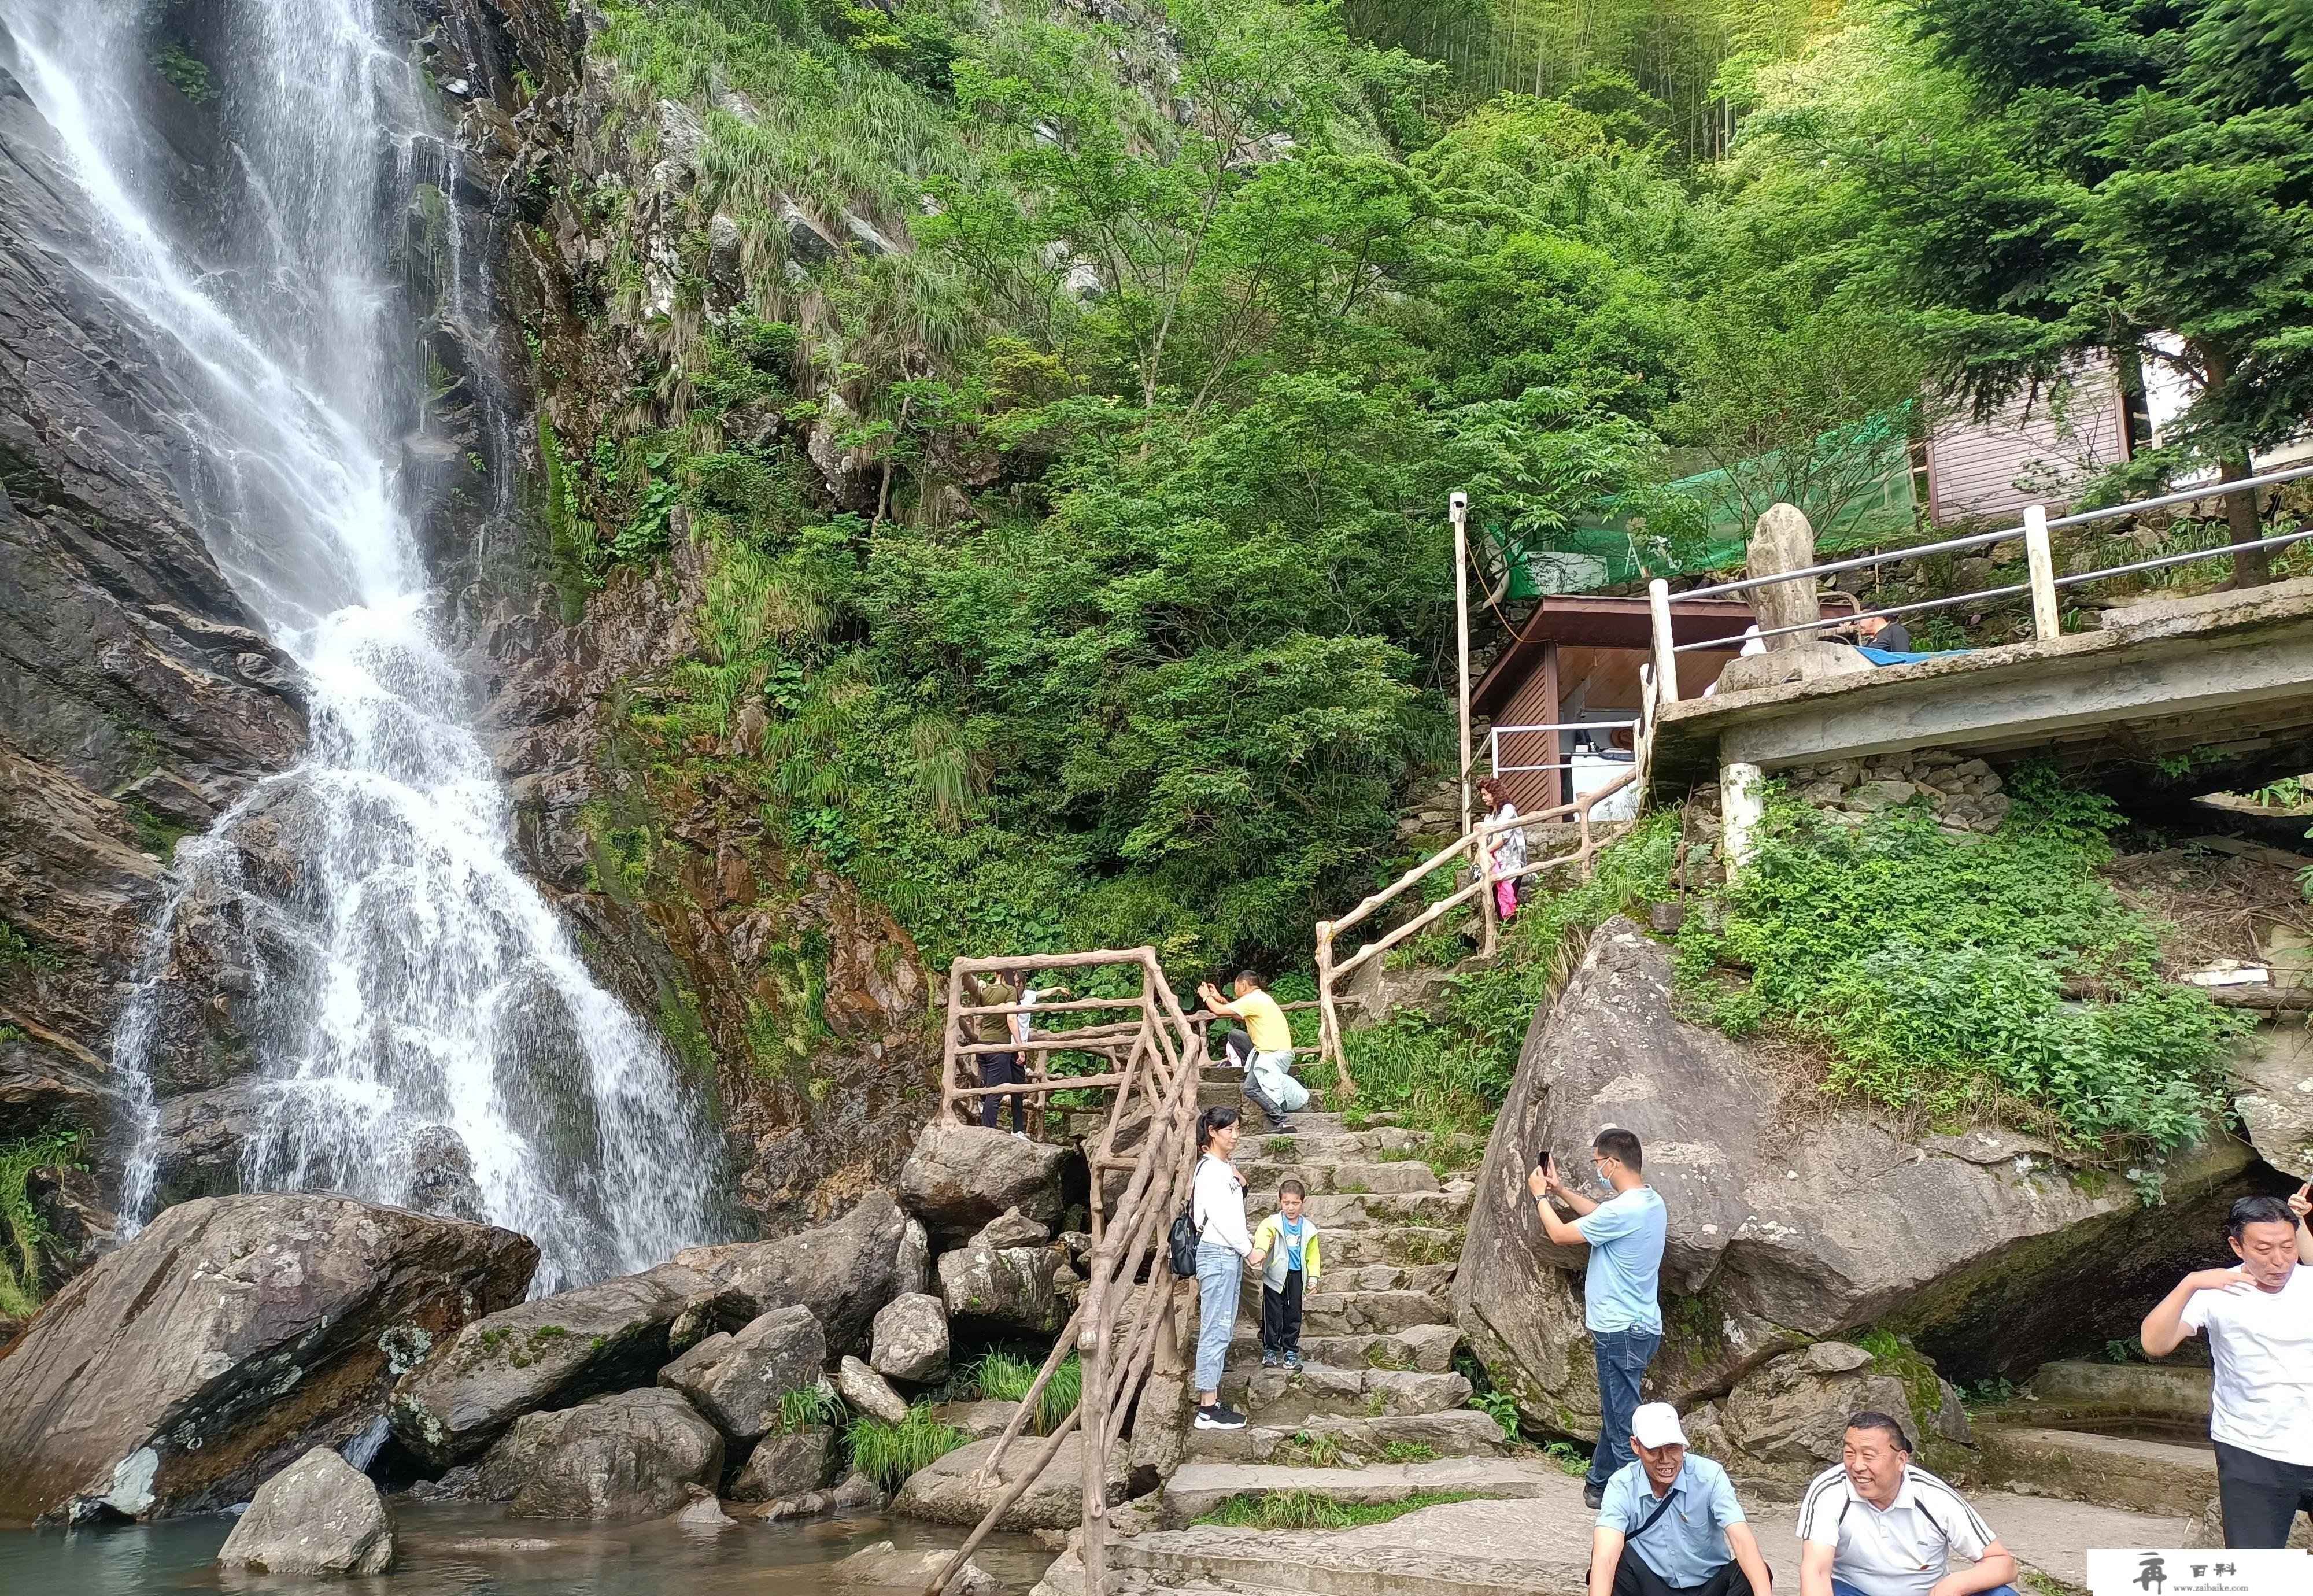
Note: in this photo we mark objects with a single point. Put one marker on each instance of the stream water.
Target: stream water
(479, 1551)
(425, 1020)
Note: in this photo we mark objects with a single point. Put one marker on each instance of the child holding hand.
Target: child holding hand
(1289, 1243)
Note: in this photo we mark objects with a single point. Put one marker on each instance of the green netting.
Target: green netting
(1715, 522)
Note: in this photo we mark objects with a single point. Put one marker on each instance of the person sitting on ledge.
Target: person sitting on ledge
(1876, 1524)
(1678, 1515)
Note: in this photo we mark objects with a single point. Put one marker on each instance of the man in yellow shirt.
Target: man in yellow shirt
(1266, 1027)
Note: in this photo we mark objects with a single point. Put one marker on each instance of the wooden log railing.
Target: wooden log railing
(1156, 1055)
(1473, 849)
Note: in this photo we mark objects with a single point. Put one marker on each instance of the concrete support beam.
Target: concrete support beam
(1742, 806)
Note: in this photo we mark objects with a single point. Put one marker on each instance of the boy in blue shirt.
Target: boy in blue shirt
(1620, 1306)
(1289, 1243)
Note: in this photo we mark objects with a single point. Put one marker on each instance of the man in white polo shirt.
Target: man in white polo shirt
(2259, 1316)
(1880, 1525)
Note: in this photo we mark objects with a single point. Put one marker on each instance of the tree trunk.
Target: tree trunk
(2251, 568)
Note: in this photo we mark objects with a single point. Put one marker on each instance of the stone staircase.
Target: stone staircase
(1376, 1408)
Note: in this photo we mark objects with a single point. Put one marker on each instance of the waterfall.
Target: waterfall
(431, 1036)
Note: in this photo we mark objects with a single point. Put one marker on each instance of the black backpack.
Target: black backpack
(1184, 1238)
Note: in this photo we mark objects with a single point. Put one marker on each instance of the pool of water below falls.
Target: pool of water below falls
(480, 1551)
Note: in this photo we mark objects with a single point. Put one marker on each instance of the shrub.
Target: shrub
(20, 1229)
(888, 1453)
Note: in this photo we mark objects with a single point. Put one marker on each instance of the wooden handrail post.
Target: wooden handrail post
(1665, 649)
(1329, 1023)
(1489, 933)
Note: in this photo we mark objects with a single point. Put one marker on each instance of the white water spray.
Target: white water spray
(437, 1015)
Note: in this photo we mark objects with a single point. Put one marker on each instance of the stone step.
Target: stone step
(1319, 1390)
(2154, 1476)
(1412, 1246)
(1357, 1441)
(1450, 1206)
(1198, 1488)
(1370, 1313)
(1347, 1178)
(1417, 1347)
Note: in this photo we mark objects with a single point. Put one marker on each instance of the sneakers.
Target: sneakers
(1268, 1359)
(1293, 1361)
(1023, 1136)
(1278, 1126)
(1218, 1418)
(1592, 1496)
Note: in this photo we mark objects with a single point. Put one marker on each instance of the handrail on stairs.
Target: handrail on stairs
(1475, 844)
(1121, 1317)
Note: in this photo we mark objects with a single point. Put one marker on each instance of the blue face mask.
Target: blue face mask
(1601, 1174)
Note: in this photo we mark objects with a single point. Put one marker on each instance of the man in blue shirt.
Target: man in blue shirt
(1619, 1305)
(1669, 1524)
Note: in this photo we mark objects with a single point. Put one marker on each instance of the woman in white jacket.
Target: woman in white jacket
(1224, 1251)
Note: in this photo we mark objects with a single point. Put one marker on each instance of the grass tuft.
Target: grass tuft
(1309, 1510)
(1000, 1376)
(888, 1453)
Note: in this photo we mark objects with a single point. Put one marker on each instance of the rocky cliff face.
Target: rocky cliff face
(137, 699)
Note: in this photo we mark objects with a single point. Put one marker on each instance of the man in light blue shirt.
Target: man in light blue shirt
(1620, 1306)
(1669, 1524)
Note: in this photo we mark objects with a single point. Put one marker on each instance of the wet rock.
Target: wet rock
(442, 1176)
(230, 1337)
(704, 1513)
(856, 1491)
(884, 1564)
(1008, 1286)
(787, 1466)
(548, 1353)
(628, 1455)
(737, 1380)
(911, 1340)
(1012, 1228)
(960, 1177)
(868, 1392)
(1987, 1256)
(956, 1489)
(844, 1272)
(320, 1515)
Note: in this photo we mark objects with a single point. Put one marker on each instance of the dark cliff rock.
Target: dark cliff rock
(137, 699)
(804, 1003)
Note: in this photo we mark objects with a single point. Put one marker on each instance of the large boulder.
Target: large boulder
(320, 1515)
(551, 1353)
(1781, 541)
(844, 1272)
(232, 1336)
(866, 1391)
(958, 1489)
(1784, 1421)
(2272, 1094)
(960, 1177)
(738, 1380)
(911, 1340)
(628, 1456)
(884, 1565)
(1792, 1217)
(792, 1464)
(1009, 1287)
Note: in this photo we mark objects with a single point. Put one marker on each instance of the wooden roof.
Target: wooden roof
(1594, 621)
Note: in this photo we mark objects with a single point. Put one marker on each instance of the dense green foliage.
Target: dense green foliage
(1077, 574)
(2001, 979)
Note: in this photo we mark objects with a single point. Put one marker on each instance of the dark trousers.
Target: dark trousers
(1002, 1069)
(1280, 1315)
(1632, 1577)
(2261, 1497)
(1623, 1356)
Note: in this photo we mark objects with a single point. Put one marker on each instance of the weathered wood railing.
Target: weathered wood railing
(1474, 846)
(1156, 1053)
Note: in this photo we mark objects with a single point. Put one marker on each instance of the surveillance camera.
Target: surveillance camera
(1459, 501)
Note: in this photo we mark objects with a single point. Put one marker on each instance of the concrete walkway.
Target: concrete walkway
(1539, 1546)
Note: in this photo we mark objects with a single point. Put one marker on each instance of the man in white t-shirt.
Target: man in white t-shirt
(2259, 1319)
(1880, 1525)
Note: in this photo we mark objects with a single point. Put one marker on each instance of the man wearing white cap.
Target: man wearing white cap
(1669, 1524)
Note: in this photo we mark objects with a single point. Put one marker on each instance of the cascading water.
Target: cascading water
(435, 1030)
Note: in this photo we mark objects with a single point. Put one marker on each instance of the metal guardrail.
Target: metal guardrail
(2042, 584)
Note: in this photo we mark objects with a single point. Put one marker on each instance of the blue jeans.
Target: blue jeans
(1623, 1356)
(1840, 1587)
(1220, 1277)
